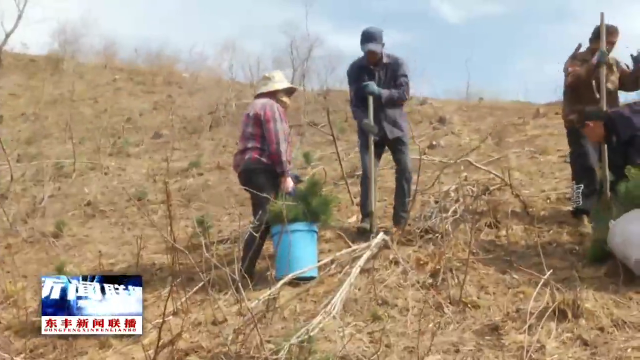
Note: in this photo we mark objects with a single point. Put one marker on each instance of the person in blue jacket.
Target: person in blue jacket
(619, 129)
(384, 77)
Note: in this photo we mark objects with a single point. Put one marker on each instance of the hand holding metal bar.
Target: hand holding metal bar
(603, 105)
(372, 130)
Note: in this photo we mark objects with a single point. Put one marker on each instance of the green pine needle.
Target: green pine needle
(308, 204)
(627, 198)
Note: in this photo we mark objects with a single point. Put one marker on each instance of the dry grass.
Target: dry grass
(490, 267)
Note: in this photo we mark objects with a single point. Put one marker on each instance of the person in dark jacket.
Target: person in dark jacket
(263, 159)
(383, 76)
(619, 128)
(581, 88)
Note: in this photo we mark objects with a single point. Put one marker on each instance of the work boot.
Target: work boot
(365, 226)
(399, 225)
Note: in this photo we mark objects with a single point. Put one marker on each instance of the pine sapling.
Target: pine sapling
(309, 204)
(627, 198)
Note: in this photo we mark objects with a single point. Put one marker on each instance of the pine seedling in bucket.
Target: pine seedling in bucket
(627, 198)
(294, 223)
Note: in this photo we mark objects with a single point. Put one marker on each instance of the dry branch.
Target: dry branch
(334, 307)
(291, 276)
(335, 144)
(73, 146)
(529, 318)
(505, 181)
(6, 156)
(415, 190)
(21, 5)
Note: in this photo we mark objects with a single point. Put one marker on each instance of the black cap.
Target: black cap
(371, 40)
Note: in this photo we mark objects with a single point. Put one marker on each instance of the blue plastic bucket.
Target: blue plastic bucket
(296, 248)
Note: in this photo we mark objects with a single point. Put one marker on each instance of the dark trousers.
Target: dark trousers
(262, 185)
(584, 159)
(399, 148)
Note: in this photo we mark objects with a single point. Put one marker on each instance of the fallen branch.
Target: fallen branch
(334, 307)
(529, 319)
(51, 161)
(451, 162)
(291, 276)
(317, 127)
(506, 181)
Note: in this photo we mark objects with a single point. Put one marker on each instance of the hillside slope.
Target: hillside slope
(490, 268)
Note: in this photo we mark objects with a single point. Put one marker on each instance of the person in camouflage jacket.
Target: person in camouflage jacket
(581, 91)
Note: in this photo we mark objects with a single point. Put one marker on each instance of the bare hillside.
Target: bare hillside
(112, 169)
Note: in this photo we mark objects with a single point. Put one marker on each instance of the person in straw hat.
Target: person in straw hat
(263, 159)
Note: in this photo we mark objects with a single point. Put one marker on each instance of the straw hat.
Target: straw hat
(274, 81)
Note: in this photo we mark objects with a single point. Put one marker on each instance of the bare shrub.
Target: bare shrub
(21, 5)
(196, 62)
(226, 59)
(298, 53)
(253, 67)
(108, 52)
(161, 63)
(158, 58)
(69, 42)
(328, 69)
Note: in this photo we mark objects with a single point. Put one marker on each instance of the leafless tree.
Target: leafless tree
(68, 40)
(300, 49)
(327, 68)
(160, 57)
(301, 46)
(21, 5)
(197, 61)
(253, 67)
(109, 52)
(467, 90)
(227, 57)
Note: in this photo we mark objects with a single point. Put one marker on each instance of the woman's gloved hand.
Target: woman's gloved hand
(297, 179)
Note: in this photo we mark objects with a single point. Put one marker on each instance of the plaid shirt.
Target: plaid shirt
(265, 137)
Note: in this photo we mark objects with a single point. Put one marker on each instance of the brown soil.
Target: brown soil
(491, 266)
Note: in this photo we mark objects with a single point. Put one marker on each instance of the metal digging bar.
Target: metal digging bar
(370, 127)
(603, 105)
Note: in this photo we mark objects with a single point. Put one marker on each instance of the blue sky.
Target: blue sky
(515, 49)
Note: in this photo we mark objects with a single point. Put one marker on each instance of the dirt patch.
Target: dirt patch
(490, 267)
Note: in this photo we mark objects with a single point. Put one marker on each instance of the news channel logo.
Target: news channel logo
(92, 304)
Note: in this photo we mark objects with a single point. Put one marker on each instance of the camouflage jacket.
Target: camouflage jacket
(581, 83)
